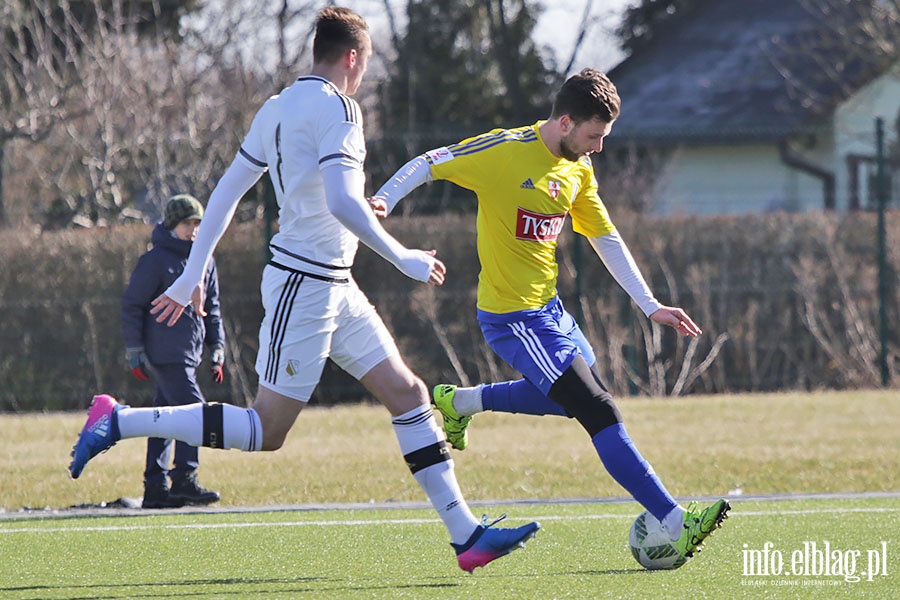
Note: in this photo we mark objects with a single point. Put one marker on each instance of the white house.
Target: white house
(757, 105)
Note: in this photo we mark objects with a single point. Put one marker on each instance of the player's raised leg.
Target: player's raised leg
(584, 396)
(425, 451)
(212, 425)
(459, 404)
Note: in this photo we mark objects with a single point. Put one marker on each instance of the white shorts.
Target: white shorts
(308, 320)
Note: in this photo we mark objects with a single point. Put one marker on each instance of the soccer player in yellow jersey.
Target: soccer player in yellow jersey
(528, 180)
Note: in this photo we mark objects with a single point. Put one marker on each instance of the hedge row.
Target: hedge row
(785, 302)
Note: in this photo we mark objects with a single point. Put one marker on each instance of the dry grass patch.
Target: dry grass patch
(818, 442)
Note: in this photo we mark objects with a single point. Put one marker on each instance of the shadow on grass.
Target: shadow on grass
(609, 572)
(245, 586)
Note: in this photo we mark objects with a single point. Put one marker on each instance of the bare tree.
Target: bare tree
(424, 305)
(628, 176)
(271, 38)
(586, 24)
(133, 119)
(851, 42)
(842, 323)
(36, 83)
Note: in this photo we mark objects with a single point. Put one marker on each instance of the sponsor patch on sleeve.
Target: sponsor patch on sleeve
(439, 155)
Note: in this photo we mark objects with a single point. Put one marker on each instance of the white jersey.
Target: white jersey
(310, 125)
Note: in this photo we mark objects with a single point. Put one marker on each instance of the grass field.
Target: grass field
(369, 554)
(842, 444)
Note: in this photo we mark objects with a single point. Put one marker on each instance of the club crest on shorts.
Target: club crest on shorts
(293, 367)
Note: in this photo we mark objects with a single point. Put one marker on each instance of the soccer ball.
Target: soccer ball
(651, 545)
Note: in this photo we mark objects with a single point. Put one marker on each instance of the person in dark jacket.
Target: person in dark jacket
(171, 355)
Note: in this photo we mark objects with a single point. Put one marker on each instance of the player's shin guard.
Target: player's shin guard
(213, 425)
(428, 458)
(227, 426)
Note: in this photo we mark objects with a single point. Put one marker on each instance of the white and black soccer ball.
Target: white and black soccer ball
(651, 546)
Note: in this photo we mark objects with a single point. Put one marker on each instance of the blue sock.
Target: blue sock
(631, 471)
(518, 396)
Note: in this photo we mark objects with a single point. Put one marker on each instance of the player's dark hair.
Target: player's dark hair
(337, 31)
(587, 95)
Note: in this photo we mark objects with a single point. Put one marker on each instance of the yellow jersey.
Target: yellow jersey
(524, 194)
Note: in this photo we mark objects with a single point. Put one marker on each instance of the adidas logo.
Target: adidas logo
(101, 426)
(528, 184)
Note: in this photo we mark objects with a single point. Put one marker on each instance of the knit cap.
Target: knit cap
(180, 208)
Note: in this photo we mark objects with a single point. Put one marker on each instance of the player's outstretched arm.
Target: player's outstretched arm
(410, 176)
(615, 255)
(223, 201)
(165, 307)
(345, 200)
(617, 258)
(677, 319)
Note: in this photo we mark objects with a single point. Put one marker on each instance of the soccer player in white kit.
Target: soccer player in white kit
(310, 139)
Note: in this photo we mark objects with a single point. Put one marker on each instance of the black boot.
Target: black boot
(189, 491)
(159, 496)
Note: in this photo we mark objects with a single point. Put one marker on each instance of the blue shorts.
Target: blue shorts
(539, 343)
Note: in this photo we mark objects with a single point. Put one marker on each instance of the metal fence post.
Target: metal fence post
(881, 192)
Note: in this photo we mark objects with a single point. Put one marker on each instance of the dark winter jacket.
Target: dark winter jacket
(154, 273)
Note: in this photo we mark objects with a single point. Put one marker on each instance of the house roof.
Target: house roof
(718, 72)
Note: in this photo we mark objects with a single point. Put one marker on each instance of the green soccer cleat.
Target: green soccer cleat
(454, 423)
(700, 525)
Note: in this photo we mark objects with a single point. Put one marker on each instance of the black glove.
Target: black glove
(218, 364)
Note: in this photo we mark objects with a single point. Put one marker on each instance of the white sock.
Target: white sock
(417, 429)
(241, 427)
(467, 401)
(674, 522)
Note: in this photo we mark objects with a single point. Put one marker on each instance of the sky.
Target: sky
(557, 28)
(559, 24)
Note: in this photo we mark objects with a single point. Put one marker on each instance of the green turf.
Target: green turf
(794, 443)
(369, 554)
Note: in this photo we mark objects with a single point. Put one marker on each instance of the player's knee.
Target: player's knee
(409, 393)
(396, 387)
(418, 389)
(585, 399)
(607, 412)
(404, 383)
(276, 416)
